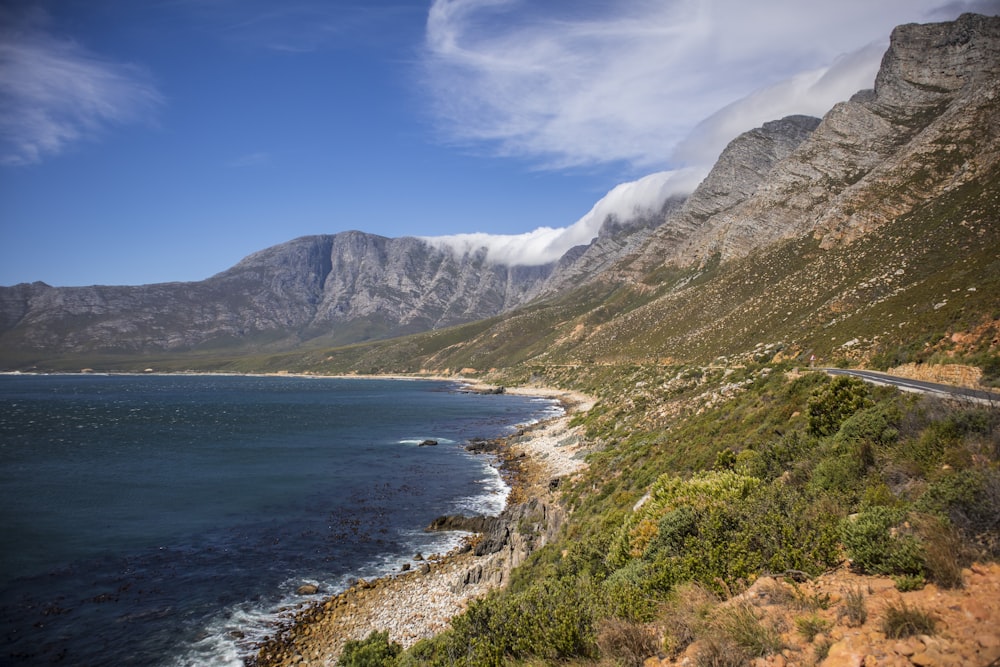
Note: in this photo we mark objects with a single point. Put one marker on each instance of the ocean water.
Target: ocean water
(169, 520)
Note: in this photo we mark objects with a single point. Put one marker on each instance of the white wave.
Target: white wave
(417, 441)
(233, 635)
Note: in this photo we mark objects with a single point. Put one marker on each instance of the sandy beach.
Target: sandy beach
(419, 603)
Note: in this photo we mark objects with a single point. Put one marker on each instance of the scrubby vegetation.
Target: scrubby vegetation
(789, 475)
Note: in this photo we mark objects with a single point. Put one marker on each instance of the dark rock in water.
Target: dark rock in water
(428, 443)
(405, 567)
(471, 524)
(307, 589)
(419, 556)
(485, 390)
(480, 446)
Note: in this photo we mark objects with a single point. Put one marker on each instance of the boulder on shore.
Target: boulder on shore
(470, 524)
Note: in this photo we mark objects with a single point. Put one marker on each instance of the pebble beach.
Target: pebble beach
(420, 602)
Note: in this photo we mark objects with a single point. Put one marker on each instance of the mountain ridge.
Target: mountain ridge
(789, 192)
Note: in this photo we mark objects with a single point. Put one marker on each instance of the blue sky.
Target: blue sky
(159, 140)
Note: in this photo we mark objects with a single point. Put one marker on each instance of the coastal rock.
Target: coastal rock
(428, 443)
(480, 446)
(307, 589)
(458, 522)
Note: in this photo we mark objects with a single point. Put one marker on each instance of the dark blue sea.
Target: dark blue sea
(169, 520)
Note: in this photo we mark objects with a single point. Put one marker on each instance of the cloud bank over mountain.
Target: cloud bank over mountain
(625, 203)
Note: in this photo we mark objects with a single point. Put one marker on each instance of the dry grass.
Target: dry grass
(625, 642)
(855, 607)
(740, 625)
(687, 615)
(903, 621)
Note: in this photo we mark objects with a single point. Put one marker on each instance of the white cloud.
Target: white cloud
(577, 84)
(812, 92)
(625, 203)
(54, 92)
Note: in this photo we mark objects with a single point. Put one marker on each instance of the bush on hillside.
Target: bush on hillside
(374, 651)
(552, 619)
(720, 529)
(970, 501)
(831, 404)
(877, 542)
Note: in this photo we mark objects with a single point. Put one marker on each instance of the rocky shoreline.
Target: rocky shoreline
(420, 602)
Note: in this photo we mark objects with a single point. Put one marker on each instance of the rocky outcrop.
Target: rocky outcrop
(615, 241)
(742, 168)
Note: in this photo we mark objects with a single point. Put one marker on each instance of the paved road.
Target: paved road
(906, 384)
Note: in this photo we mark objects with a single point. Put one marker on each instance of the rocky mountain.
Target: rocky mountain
(777, 241)
(744, 165)
(615, 241)
(340, 288)
(929, 126)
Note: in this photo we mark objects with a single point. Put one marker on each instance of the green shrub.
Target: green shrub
(714, 489)
(721, 528)
(990, 365)
(831, 404)
(878, 425)
(909, 582)
(374, 651)
(552, 619)
(629, 591)
(840, 474)
(673, 530)
(770, 460)
(876, 545)
(970, 501)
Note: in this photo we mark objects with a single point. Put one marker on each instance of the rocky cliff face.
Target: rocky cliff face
(614, 242)
(340, 288)
(742, 168)
(930, 125)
